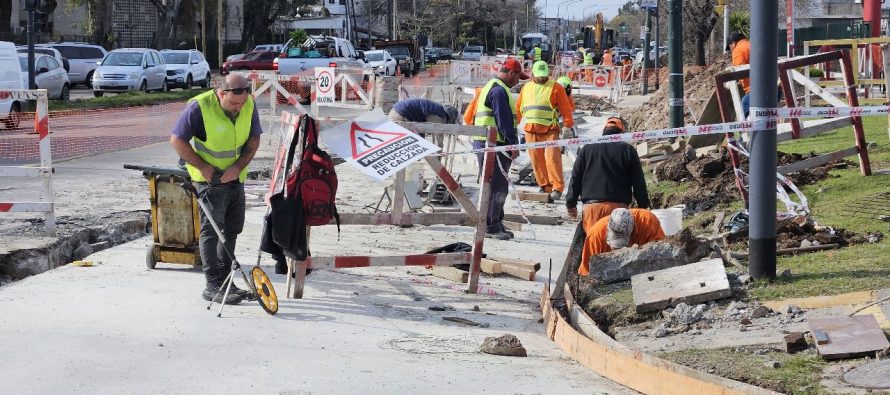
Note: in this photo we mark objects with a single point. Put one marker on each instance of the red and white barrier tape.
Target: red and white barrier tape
(720, 128)
(827, 112)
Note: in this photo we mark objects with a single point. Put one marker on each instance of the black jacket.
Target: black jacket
(608, 172)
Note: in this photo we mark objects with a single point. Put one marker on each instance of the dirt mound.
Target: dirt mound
(591, 103)
(698, 86)
(711, 182)
(791, 233)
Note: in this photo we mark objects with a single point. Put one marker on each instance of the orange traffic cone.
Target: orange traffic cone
(398, 71)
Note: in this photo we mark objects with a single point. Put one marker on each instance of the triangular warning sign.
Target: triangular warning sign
(366, 140)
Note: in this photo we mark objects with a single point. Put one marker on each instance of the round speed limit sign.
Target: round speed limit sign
(324, 82)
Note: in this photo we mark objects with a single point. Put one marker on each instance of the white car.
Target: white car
(472, 52)
(10, 78)
(381, 61)
(48, 74)
(128, 69)
(186, 68)
(83, 59)
(23, 49)
(269, 47)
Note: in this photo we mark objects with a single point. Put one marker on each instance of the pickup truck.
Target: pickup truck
(317, 51)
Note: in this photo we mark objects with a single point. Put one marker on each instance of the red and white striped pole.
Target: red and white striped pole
(41, 125)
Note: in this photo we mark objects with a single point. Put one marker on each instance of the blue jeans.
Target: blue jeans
(746, 105)
(499, 188)
(226, 205)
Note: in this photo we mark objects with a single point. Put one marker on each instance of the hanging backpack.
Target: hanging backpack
(315, 181)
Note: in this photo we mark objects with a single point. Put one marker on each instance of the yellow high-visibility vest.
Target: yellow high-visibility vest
(536, 106)
(485, 115)
(225, 139)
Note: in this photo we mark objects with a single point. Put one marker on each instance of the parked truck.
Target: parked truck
(405, 52)
(317, 51)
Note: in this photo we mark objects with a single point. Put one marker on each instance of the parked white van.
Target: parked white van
(10, 78)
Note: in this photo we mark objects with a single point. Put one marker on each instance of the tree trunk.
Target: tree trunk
(204, 26)
(699, 50)
(5, 15)
(220, 16)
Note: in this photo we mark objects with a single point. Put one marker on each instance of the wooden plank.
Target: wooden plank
(526, 264)
(815, 302)
(440, 128)
(451, 273)
(817, 161)
(398, 200)
(534, 219)
(407, 218)
(812, 128)
(818, 90)
(518, 271)
(490, 266)
(541, 197)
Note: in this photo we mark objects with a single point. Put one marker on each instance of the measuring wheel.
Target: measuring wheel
(265, 292)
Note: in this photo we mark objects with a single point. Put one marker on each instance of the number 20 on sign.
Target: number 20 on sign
(324, 85)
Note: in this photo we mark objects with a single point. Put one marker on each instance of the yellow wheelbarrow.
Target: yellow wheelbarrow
(175, 226)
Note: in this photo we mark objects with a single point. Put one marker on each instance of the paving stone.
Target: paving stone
(848, 336)
(693, 283)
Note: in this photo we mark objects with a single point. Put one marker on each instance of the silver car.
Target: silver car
(48, 74)
(23, 49)
(128, 69)
(82, 59)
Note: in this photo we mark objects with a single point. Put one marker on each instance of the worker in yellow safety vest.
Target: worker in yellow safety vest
(217, 136)
(521, 53)
(494, 106)
(537, 53)
(540, 103)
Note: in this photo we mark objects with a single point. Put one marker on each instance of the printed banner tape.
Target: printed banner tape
(761, 118)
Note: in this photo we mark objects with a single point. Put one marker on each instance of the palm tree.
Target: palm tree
(740, 21)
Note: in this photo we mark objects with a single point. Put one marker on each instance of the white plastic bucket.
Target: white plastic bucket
(671, 219)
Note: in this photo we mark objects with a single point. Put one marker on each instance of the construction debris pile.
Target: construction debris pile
(710, 181)
(800, 232)
(698, 88)
(592, 103)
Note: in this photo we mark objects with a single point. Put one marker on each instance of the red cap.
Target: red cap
(515, 65)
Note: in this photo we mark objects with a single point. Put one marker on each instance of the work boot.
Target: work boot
(209, 292)
(245, 294)
(509, 232)
(498, 236)
(555, 195)
(280, 267)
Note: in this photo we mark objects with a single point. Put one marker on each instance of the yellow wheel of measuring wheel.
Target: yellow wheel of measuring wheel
(265, 292)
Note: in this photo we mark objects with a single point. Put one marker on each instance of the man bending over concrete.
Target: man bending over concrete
(623, 228)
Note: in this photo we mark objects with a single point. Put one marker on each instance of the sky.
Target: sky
(576, 8)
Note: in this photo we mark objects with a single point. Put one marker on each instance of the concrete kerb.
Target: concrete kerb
(633, 369)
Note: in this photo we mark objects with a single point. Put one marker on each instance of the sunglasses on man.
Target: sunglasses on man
(239, 91)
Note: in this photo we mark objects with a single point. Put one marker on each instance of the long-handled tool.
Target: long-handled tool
(260, 286)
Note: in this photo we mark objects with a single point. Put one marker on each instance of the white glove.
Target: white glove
(566, 133)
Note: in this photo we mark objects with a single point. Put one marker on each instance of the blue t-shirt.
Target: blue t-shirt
(191, 123)
(417, 110)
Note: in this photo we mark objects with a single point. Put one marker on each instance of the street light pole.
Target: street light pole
(764, 71)
(31, 7)
(675, 61)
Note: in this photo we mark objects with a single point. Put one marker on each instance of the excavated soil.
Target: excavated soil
(791, 233)
(710, 180)
(595, 104)
(698, 86)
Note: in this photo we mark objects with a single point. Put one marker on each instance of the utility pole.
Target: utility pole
(675, 61)
(31, 7)
(219, 30)
(646, 47)
(762, 202)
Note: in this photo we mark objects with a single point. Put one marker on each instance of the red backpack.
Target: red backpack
(314, 184)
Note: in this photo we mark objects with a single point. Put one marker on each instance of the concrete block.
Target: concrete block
(693, 283)
(622, 264)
